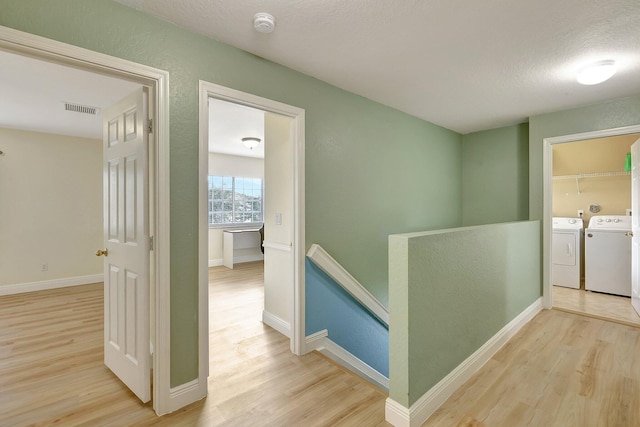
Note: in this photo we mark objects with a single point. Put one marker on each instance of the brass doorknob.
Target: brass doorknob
(101, 252)
(629, 233)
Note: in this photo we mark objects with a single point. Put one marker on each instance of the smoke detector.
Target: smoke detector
(264, 22)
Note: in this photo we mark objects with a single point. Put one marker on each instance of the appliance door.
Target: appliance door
(564, 248)
(608, 262)
(565, 266)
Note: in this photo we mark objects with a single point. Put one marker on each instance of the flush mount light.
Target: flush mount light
(251, 142)
(597, 72)
(264, 22)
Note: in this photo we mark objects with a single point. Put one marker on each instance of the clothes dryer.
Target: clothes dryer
(608, 254)
(566, 252)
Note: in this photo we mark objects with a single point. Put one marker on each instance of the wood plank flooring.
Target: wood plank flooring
(561, 369)
(595, 304)
(51, 369)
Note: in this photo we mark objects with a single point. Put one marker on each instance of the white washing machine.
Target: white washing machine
(566, 246)
(608, 255)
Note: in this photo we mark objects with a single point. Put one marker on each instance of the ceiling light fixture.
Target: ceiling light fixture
(251, 142)
(264, 22)
(597, 72)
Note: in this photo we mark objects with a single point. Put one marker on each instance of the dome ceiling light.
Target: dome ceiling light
(597, 72)
(251, 142)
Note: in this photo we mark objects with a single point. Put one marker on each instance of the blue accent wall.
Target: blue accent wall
(349, 324)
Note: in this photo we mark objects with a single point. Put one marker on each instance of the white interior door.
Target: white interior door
(126, 228)
(635, 225)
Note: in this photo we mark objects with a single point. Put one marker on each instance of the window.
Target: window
(234, 200)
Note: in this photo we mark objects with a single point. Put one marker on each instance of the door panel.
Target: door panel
(126, 323)
(635, 225)
(563, 248)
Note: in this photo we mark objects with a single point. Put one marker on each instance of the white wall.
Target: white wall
(278, 261)
(247, 167)
(50, 207)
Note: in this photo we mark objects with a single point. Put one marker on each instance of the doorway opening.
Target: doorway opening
(252, 204)
(236, 191)
(590, 184)
(27, 46)
(573, 193)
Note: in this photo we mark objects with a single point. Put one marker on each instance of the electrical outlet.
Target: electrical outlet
(580, 213)
(45, 267)
(278, 218)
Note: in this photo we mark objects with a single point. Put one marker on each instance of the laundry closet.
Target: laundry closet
(591, 244)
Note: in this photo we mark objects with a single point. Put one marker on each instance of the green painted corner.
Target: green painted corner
(495, 176)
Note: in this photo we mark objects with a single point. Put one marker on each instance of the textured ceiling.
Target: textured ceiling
(466, 65)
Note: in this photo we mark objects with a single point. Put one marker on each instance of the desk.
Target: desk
(229, 245)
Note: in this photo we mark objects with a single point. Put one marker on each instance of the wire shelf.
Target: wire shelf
(580, 176)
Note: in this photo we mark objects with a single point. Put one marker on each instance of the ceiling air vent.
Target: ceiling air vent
(84, 109)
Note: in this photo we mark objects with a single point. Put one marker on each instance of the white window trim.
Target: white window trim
(237, 224)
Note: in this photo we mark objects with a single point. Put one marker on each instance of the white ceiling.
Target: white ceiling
(229, 123)
(466, 65)
(33, 94)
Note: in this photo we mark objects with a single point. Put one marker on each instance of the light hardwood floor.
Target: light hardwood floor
(51, 369)
(595, 304)
(561, 369)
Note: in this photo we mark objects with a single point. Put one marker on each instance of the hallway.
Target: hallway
(52, 370)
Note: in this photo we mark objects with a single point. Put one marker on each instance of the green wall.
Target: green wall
(370, 170)
(372, 173)
(495, 175)
(607, 115)
(449, 292)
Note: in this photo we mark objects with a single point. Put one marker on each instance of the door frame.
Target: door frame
(547, 197)
(210, 90)
(26, 44)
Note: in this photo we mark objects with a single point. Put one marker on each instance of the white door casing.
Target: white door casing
(126, 228)
(164, 399)
(635, 225)
(297, 248)
(547, 193)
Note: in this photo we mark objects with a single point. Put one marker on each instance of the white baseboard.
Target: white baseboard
(396, 414)
(423, 408)
(236, 260)
(18, 288)
(276, 323)
(321, 342)
(186, 393)
(248, 258)
(315, 341)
